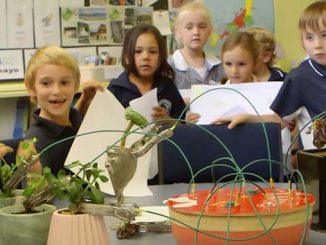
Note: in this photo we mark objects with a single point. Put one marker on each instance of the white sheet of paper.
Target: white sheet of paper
(46, 23)
(20, 26)
(144, 105)
(185, 93)
(149, 2)
(3, 24)
(69, 3)
(221, 99)
(106, 113)
(161, 21)
(148, 217)
(236, 110)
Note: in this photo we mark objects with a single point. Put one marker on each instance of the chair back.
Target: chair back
(203, 145)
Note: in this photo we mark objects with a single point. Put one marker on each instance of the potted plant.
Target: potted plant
(11, 174)
(16, 223)
(22, 228)
(70, 224)
(77, 188)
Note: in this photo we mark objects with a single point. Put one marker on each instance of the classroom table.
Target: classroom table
(163, 192)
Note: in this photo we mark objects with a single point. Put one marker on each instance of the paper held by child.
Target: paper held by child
(223, 100)
(106, 113)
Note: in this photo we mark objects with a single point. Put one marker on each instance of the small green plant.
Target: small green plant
(12, 173)
(6, 171)
(78, 188)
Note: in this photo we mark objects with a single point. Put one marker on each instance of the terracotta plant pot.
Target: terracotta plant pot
(25, 229)
(78, 229)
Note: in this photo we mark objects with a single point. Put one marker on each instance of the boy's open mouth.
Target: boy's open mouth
(57, 101)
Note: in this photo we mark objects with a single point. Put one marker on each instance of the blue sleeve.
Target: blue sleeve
(289, 98)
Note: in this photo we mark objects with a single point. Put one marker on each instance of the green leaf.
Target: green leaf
(88, 174)
(5, 172)
(103, 178)
(29, 190)
(95, 172)
(62, 174)
(97, 196)
(46, 170)
(50, 178)
(19, 160)
(25, 145)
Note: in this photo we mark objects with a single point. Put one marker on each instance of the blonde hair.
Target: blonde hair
(50, 55)
(192, 7)
(312, 15)
(243, 39)
(266, 42)
(188, 7)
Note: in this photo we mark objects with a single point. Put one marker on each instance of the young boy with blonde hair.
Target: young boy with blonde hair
(264, 70)
(52, 78)
(302, 95)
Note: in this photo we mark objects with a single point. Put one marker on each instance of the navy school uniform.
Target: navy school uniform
(48, 132)
(167, 94)
(302, 96)
(276, 74)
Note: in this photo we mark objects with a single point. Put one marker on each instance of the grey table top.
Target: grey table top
(164, 192)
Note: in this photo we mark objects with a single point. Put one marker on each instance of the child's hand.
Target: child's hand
(90, 88)
(233, 120)
(160, 113)
(4, 150)
(89, 91)
(192, 117)
(24, 153)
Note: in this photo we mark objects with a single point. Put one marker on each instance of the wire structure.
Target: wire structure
(237, 188)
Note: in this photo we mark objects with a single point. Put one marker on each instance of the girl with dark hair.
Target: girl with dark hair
(144, 58)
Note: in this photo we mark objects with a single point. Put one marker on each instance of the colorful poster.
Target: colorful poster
(84, 26)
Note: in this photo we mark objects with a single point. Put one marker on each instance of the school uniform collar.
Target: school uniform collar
(181, 64)
(318, 68)
(123, 81)
(56, 129)
(275, 73)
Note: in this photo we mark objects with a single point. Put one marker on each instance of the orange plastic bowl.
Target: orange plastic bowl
(262, 216)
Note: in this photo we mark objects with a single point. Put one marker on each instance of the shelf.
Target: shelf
(12, 89)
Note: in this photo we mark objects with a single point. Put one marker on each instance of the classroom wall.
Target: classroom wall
(287, 13)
